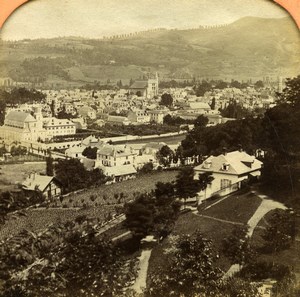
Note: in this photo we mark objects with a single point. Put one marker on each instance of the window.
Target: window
(225, 183)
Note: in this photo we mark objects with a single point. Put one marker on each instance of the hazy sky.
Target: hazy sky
(98, 18)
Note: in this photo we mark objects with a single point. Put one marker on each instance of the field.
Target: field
(110, 194)
(105, 204)
(12, 174)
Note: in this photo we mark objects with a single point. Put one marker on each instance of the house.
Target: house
(118, 120)
(79, 123)
(74, 151)
(115, 155)
(157, 115)
(87, 112)
(120, 173)
(48, 186)
(138, 117)
(229, 171)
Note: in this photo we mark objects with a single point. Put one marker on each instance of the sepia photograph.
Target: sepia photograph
(150, 149)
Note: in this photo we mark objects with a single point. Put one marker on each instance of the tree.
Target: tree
(202, 88)
(140, 215)
(237, 246)
(205, 179)
(291, 92)
(73, 175)
(148, 167)
(153, 213)
(221, 85)
(235, 84)
(234, 110)
(191, 269)
(201, 121)
(259, 84)
(280, 233)
(90, 152)
(49, 166)
(166, 100)
(213, 103)
(65, 260)
(186, 186)
(165, 155)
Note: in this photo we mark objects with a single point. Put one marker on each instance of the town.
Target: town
(152, 160)
(91, 140)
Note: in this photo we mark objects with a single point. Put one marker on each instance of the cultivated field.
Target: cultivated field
(97, 203)
(119, 192)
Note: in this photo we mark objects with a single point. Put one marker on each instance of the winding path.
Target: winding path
(266, 206)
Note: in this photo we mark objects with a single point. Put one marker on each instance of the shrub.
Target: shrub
(263, 270)
(93, 198)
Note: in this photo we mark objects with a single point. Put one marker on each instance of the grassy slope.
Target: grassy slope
(236, 208)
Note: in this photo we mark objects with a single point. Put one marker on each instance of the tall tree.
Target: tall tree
(166, 100)
(191, 270)
(49, 166)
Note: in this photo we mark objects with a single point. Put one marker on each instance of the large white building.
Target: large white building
(228, 170)
(22, 126)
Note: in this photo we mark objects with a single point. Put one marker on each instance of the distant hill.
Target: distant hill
(248, 48)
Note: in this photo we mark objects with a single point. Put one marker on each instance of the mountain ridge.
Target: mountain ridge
(247, 48)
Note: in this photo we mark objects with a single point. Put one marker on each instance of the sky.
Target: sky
(98, 18)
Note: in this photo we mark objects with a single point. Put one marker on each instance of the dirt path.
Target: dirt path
(266, 206)
(140, 282)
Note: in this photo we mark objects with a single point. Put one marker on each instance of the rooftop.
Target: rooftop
(239, 163)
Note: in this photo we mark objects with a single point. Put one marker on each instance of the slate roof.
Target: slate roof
(139, 84)
(20, 116)
(119, 170)
(239, 163)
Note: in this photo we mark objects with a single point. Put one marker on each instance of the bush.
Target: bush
(148, 167)
(258, 271)
(281, 231)
(93, 198)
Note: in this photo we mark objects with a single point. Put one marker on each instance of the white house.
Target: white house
(228, 171)
(157, 115)
(115, 155)
(138, 117)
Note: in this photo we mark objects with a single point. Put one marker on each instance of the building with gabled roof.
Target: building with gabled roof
(229, 171)
(146, 88)
(115, 155)
(48, 186)
(120, 173)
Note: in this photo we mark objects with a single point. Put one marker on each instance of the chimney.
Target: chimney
(240, 148)
(224, 151)
(207, 164)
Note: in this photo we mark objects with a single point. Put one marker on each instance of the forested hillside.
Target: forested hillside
(250, 47)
